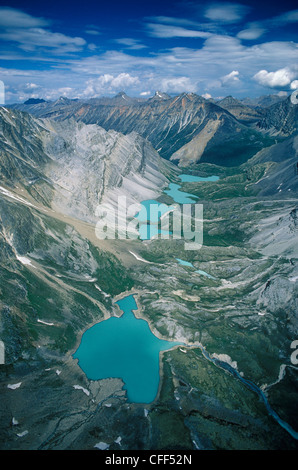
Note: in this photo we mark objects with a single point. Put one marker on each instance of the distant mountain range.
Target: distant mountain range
(82, 153)
(186, 128)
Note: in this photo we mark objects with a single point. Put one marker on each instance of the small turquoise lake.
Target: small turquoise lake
(181, 197)
(149, 215)
(124, 347)
(190, 265)
(192, 179)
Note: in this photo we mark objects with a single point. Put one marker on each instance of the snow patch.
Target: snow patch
(23, 260)
(102, 446)
(139, 258)
(17, 198)
(44, 322)
(14, 386)
(79, 387)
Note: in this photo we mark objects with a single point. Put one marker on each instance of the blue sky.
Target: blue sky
(98, 48)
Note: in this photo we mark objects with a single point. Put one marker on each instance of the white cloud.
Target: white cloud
(219, 44)
(285, 18)
(282, 78)
(231, 77)
(226, 12)
(109, 83)
(173, 21)
(92, 47)
(222, 60)
(12, 18)
(251, 33)
(31, 86)
(177, 85)
(131, 43)
(257, 28)
(30, 33)
(207, 96)
(32, 38)
(92, 32)
(66, 92)
(171, 31)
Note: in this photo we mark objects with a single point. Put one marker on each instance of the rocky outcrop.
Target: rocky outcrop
(280, 119)
(242, 112)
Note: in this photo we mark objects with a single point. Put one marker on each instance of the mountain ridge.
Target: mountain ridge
(170, 124)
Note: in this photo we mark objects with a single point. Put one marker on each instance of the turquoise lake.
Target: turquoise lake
(192, 179)
(125, 348)
(181, 197)
(149, 211)
(190, 265)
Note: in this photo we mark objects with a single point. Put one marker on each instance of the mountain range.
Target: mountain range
(186, 128)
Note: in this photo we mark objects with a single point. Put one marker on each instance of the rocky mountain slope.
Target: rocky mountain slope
(281, 176)
(264, 101)
(280, 119)
(73, 167)
(244, 113)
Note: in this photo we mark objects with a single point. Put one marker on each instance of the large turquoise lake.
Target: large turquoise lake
(125, 348)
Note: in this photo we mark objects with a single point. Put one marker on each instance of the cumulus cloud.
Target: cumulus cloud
(231, 77)
(109, 83)
(282, 78)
